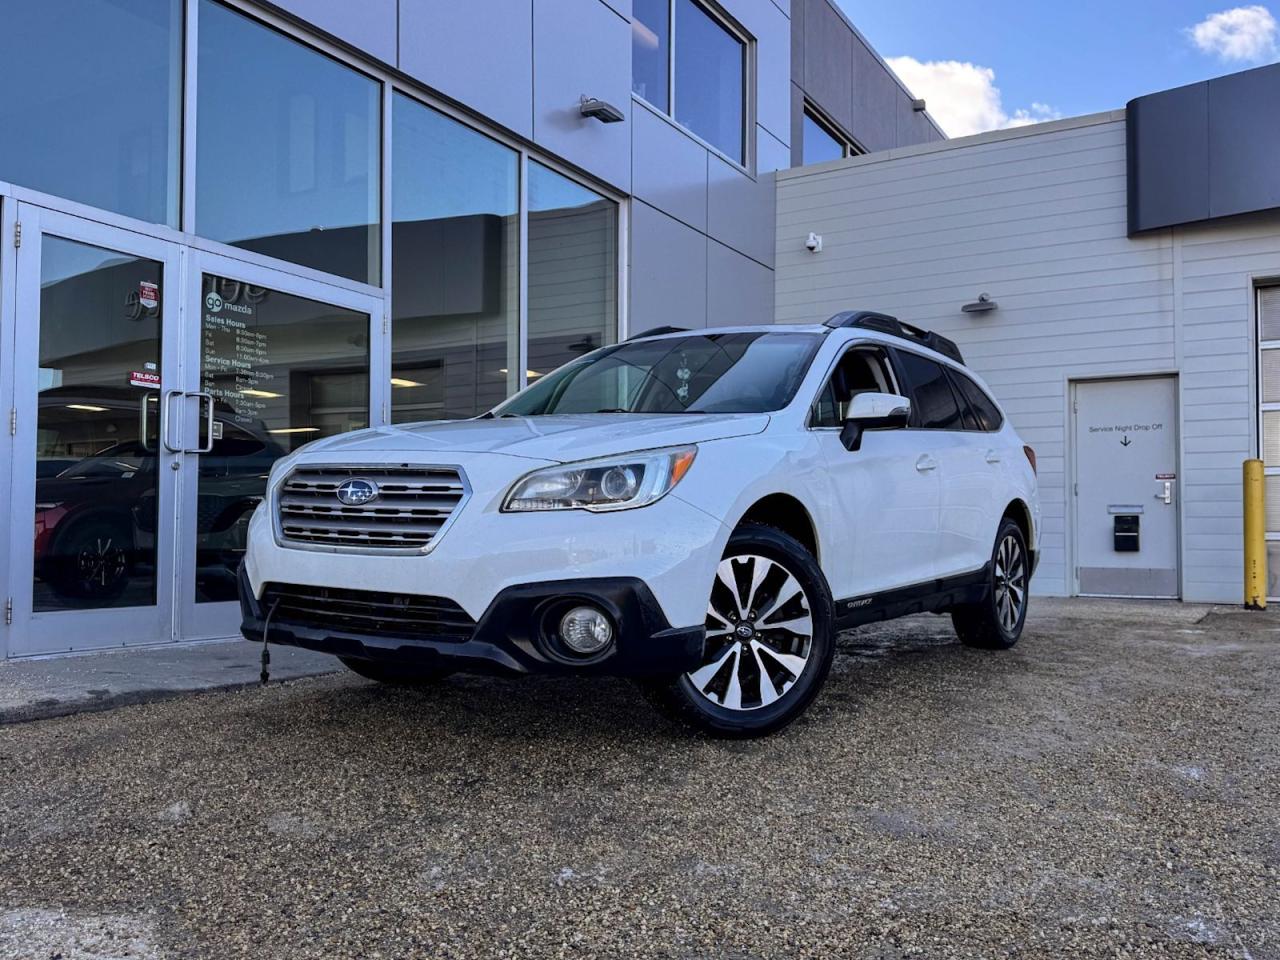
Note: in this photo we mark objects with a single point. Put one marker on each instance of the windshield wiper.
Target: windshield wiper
(613, 410)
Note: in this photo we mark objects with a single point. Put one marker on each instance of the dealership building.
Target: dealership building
(231, 227)
(1116, 280)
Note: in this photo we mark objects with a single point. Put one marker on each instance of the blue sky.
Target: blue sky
(1059, 59)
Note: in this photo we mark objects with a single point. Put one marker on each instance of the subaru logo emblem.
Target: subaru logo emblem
(357, 492)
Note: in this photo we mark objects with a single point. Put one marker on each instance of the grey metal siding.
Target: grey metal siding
(1038, 218)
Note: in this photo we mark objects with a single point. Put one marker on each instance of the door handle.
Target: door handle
(993, 456)
(166, 418)
(1167, 494)
(926, 463)
(208, 422)
(144, 425)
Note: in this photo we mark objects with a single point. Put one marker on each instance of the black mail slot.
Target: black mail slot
(1126, 532)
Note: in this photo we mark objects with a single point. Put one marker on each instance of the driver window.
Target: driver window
(860, 370)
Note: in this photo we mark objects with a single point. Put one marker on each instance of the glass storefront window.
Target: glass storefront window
(96, 428)
(288, 148)
(650, 43)
(283, 370)
(454, 267)
(573, 270)
(93, 94)
(710, 79)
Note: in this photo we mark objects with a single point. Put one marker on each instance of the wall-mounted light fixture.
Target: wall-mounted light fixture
(984, 304)
(600, 110)
(918, 106)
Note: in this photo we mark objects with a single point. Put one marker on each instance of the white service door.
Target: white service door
(1126, 475)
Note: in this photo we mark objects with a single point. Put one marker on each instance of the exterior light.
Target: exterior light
(586, 630)
(918, 106)
(984, 304)
(600, 110)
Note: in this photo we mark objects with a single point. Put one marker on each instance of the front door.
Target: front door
(274, 361)
(94, 348)
(153, 387)
(1126, 484)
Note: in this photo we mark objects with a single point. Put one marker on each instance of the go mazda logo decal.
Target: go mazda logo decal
(357, 492)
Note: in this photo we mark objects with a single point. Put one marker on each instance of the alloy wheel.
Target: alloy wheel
(1010, 583)
(101, 563)
(759, 634)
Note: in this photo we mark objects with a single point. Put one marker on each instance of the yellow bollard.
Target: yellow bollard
(1255, 537)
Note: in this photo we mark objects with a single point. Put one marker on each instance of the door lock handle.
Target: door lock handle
(926, 463)
(1167, 494)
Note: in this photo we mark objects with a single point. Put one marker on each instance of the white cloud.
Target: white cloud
(1240, 35)
(963, 97)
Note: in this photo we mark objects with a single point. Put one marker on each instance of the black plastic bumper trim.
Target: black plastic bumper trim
(515, 635)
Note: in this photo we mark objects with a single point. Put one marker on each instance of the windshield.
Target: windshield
(700, 373)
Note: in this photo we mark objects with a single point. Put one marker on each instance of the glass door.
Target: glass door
(95, 337)
(272, 361)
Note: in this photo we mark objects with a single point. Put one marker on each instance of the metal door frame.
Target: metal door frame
(1073, 466)
(30, 632)
(212, 620)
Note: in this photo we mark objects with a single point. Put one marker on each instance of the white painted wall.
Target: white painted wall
(1037, 218)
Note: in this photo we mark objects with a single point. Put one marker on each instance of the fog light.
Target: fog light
(586, 630)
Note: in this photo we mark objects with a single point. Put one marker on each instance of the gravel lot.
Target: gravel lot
(1109, 788)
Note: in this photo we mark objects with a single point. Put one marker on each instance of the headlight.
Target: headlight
(613, 483)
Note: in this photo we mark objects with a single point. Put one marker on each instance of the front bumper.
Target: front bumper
(515, 635)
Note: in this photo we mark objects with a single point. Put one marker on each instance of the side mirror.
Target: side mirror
(873, 411)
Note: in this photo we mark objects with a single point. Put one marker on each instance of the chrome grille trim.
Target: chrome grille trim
(414, 506)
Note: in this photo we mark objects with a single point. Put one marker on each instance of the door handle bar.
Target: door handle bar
(926, 463)
(208, 423)
(166, 418)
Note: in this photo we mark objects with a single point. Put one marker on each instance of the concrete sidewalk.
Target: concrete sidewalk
(36, 689)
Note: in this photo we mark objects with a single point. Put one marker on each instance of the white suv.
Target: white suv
(701, 511)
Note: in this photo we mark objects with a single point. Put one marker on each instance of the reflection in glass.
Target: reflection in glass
(287, 148)
(455, 267)
(710, 88)
(573, 270)
(819, 144)
(283, 371)
(96, 428)
(650, 43)
(92, 97)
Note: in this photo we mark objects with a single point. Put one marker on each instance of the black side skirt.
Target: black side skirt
(932, 596)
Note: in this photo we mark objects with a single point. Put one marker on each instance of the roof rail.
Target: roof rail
(883, 323)
(657, 332)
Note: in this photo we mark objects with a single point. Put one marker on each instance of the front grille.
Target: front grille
(412, 506)
(366, 612)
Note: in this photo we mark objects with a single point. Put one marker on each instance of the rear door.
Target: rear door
(942, 431)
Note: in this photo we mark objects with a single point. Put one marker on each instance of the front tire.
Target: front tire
(996, 623)
(770, 641)
(395, 674)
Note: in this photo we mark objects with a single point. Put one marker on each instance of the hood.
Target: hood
(560, 438)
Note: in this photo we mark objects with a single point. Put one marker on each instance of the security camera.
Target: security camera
(814, 243)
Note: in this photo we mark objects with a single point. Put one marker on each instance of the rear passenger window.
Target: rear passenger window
(933, 403)
(983, 407)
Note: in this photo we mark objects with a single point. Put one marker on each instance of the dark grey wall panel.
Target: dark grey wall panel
(797, 40)
(1244, 142)
(877, 100)
(1205, 151)
(1168, 148)
(833, 67)
(828, 60)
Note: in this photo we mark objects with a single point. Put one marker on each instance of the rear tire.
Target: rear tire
(395, 674)
(770, 641)
(996, 623)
